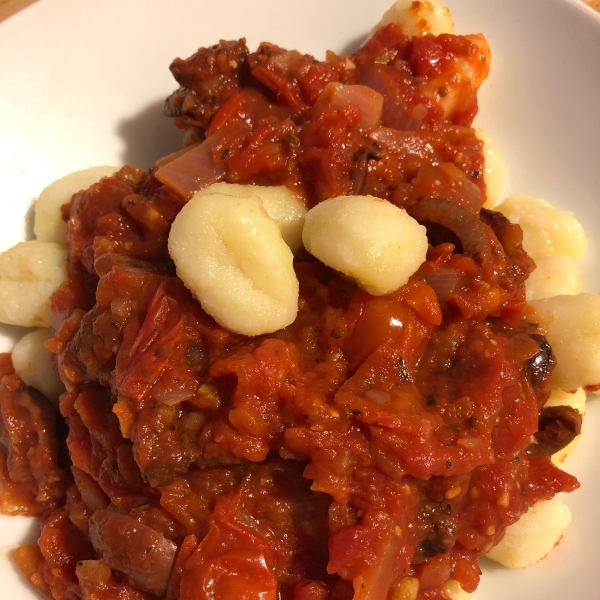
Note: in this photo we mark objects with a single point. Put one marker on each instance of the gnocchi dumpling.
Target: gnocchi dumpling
(534, 535)
(48, 225)
(366, 238)
(232, 257)
(30, 273)
(493, 173)
(279, 202)
(546, 230)
(555, 275)
(572, 326)
(575, 400)
(418, 17)
(33, 364)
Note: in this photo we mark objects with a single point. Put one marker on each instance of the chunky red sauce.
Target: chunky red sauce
(375, 439)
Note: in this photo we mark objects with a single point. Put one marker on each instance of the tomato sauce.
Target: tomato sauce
(374, 445)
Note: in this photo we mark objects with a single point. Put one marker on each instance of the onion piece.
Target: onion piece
(466, 225)
(91, 492)
(175, 397)
(137, 550)
(442, 281)
(165, 160)
(473, 192)
(369, 101)
(395, 112)
(194, 169)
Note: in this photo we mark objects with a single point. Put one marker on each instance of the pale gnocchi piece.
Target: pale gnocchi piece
(30, 273)
(418, 17)
(231, 256)
(366, 238)
(48, 225)
(453, 591)
(534, 535)
(555, 275)
(279, 202)
(575, 400)
(546, 230)
(572, 327)
(33, 364)
(493, 173)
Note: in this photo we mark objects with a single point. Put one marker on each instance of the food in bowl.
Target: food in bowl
(375, 443)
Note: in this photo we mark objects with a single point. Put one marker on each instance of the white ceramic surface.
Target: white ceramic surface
(82, 83)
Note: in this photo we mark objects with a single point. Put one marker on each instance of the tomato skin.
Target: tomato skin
(404, 318)
(230, 562)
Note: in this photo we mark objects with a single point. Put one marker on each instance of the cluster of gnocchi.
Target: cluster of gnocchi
(571, 320)
(233, 247)
(31, 272)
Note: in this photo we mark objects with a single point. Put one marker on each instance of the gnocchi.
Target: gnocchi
(33, 364)
(547, 231)
(572, 325)
(418, 17)
(366, 238)
(48, 225)
(555, 275)
(279, 202)
(30, 273)
(533, 536)
(232, 257)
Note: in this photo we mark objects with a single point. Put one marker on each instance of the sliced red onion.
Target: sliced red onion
(90, 491)
(366, 99)
(133, 548)
(442, 281)
(194, 169)
(394, 113)
(174, 397)
(466, 225)
(398, 119)
(165, 160)
(473, 191)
